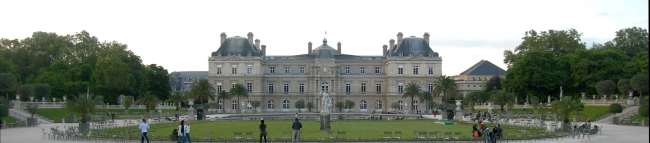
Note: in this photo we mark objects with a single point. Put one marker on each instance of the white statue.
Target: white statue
(326, 103)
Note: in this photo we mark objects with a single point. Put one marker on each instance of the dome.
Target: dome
(237, 46)
(413, 46)
(324, 51)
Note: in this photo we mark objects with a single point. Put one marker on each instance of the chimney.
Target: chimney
(223, 37)
(309, 48)
(426, 36)
(385, 49)
(257, 43)
(250, 37)
(399, 37)
(391, 42)
(263, 50)
(338, 47)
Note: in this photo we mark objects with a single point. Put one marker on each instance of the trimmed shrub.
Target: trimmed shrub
(615, 108)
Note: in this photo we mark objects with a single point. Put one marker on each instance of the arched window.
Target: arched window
(269, 104)
(363, 105)
(285, 104)
(379, 105)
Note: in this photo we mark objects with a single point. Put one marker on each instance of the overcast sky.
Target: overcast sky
(180, 35)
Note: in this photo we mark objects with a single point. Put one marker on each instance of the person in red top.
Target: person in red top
(475, 133)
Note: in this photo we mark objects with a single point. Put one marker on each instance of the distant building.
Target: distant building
(182, 80)
(373, 83)
(475, 78)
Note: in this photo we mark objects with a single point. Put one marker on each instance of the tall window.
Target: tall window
(249, 69)
(348, 88)
(302, 69)
(379, 105)
(363, 87)
(362, 69)
(235, 104)
(286, 69)
(416, 69)
(302, 88)
(377, 69)
(347, 68)
(220, 104)
(249, 87)
(271, 69)
(430, 70)
(400, 88)
(285, 104)
(234, 70)
(219, 87)
(218, 69)
(286, 88)
(378, 87)
(430, 89)
(271, 88)
(400, 70)
(363, 105)
(269, 104)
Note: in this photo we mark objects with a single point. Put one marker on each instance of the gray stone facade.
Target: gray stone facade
(373, 83)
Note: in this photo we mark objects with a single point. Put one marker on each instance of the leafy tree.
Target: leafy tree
(238, 91)
(7, 84)
(633, 40)
(4, 107)
(624, 86)
(606, 87)
(177, 99)
(427, 99)
(615, 108)
(149, 101)
(83, 106)
(349, 104)
(201, 92)
(157, 81)
(640, 83)
(502, 98)
(300, 104)
(127, 101)
(412, 90)
(222, 96)
(472, 99)
(493, 84)
(445, 87)
(565, 107)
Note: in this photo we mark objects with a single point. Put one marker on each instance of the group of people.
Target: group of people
(295, 127)
(489, 135)
(182, 133)
(584, 129)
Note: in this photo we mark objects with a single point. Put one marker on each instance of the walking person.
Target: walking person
(183, 132)
(144, 128)
(296, 126)
(262, 131)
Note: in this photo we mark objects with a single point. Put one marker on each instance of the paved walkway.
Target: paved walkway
(23, 115)
(627, 112)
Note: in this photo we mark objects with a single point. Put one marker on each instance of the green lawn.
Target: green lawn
(57, 114)
(355, 130)
(8, 120)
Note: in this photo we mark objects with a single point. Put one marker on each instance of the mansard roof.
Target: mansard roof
(484, 67)
(237, 46)
(412, 46)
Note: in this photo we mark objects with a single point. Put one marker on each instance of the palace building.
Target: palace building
(371, 83)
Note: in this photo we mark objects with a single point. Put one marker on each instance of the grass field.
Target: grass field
(355, 130)
(8, 120)
(57, 114)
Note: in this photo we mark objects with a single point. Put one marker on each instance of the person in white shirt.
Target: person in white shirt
(144, 128)
(184, 133)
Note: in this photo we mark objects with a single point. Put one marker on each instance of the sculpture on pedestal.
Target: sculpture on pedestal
(326, 106)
